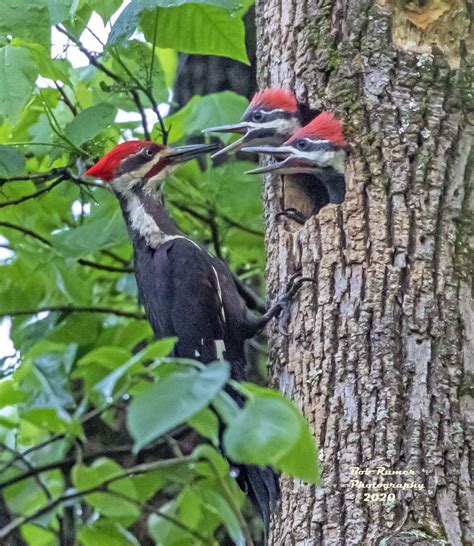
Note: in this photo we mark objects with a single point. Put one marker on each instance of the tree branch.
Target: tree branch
(115, 77)
(75, 309)
(132, 471)
(19, 456)
(32, 195)
(66, 100)
(150, 508)
(35, 177)
(26, 231)
(111, 268)
(141, 110)
(90, 57)
(232, 503)
(70, 462)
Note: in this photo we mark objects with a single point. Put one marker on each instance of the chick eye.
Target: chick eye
(301, 144)
(257, 116)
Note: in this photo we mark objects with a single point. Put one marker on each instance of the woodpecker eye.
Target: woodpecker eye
(301, 144)
(257, 116)
(148, 152)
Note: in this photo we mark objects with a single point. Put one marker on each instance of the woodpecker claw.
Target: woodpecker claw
(293, 286)
(292, 214)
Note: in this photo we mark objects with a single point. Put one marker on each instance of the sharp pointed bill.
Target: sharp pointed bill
(290, 165)
(271, 150)
(239, 128)
(186, 153)
(270, 118)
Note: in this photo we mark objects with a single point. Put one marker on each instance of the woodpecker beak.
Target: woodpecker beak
(272, 150)
(185, 153)
(245, 129)
(239, 128)
(290, 165)
(282, 167)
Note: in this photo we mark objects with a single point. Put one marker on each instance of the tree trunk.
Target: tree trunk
(381, 349)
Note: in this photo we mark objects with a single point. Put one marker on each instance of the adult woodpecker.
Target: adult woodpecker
(186, 292)
(317, 151)
(272, 116)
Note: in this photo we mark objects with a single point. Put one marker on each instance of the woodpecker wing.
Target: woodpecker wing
(186, 300)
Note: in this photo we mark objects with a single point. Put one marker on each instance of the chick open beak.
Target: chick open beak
(242, 128)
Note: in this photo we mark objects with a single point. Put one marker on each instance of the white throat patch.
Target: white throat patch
(143, 222)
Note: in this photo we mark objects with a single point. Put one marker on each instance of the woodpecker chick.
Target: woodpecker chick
(272, 116)
(318, 149)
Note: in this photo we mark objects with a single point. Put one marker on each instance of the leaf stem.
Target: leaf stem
(232, 503)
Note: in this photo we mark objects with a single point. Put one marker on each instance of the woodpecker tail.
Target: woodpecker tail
(263, 487)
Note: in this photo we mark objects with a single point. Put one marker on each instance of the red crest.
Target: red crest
(106, 166)
(272, 99)
(323, 127)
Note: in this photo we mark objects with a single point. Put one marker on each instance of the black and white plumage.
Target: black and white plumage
(186, 292)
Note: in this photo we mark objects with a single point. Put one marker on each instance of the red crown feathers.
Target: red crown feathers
(323, 127)
(275, 98)
(106, 166)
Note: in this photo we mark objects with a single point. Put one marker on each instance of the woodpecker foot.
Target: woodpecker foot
(281, 308)
(292, 288)
(292, 214)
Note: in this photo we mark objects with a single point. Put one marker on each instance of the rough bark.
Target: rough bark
(381, 350)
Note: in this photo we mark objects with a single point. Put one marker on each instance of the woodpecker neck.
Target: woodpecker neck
(146, 216)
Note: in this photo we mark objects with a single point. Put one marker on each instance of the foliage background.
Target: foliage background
(94, 418)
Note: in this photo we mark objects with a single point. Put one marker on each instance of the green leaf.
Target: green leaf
(49, 68)
(159, 349)
(90, 122)
(18, 73)
(200, 29)
(110, 357)
(164, 531)
(271, 431)
(51, 420)
(216, 503)
(34, 534)
(173, 400)
(28, 20)
(169, 64)
(10, 393)
(60, 10)
(12, 162)
(106, 533)
(102, 229)
(212, 110)
(106, 8)
(206, 424)
(136, 56)
(127, 22)
(85, 477)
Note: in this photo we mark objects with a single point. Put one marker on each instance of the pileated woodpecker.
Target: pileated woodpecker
(272, 116)
(318, 151)
(187, 293)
